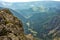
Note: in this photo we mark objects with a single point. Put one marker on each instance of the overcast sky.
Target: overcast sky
(25, 0)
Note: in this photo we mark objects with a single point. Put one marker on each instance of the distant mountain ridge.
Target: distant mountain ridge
(39, 18)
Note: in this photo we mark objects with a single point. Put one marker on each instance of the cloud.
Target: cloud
(25, 0)
(18, 0)
(56, 0)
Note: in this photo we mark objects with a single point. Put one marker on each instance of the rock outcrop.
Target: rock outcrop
(10, 26)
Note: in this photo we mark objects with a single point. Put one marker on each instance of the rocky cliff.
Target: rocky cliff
(10, 26)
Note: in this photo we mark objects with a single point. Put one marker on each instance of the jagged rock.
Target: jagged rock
(10, 26)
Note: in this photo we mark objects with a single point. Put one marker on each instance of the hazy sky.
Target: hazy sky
(26, 0)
